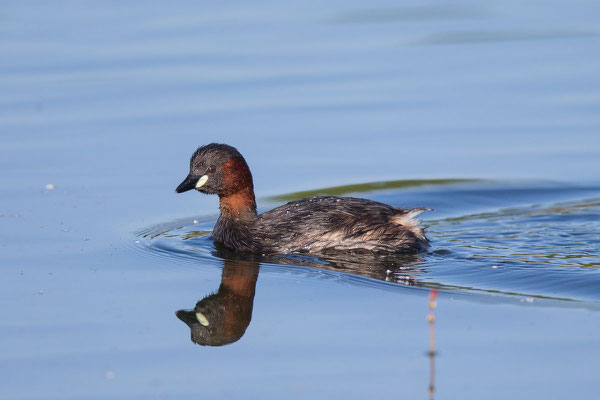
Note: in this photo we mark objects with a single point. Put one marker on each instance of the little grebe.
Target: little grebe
(315, 225)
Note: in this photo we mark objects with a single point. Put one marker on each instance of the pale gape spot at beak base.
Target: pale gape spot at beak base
(202, 319)
(201, 181)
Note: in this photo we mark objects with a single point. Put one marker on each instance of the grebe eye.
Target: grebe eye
(211, 170)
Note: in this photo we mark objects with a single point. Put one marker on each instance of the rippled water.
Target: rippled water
(486, 112)
(528, 240)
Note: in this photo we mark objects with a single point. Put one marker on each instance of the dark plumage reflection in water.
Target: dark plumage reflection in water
(397, 268)
(222, 318)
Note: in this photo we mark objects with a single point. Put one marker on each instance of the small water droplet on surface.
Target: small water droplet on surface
(195, 221)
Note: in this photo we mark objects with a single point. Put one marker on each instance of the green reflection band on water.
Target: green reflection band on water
(367, 187)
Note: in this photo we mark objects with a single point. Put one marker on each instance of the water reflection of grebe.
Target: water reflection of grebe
(395, 268)
(222, 318)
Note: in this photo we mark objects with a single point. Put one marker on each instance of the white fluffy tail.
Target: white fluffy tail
(411, 223)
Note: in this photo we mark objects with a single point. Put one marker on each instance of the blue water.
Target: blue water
(101, 105)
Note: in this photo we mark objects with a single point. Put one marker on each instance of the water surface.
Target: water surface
(486, 112)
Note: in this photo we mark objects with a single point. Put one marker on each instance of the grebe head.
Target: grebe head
(217, 169)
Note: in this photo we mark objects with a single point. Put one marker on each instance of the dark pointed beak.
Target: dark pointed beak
(188, 183)
(189, 317)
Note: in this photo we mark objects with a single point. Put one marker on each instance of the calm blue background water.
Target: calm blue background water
(107, 100)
